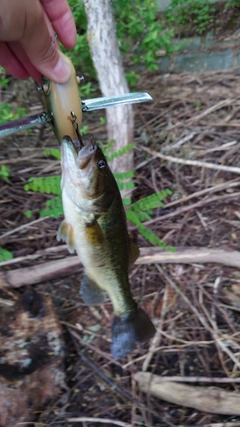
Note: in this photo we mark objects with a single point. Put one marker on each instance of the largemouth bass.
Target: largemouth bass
(95, 226)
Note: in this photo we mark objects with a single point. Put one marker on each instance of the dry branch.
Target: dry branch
(71, 264)
(205, 399)
(197, 163)
(98, 420)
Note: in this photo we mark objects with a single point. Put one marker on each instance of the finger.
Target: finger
(38, 46)
(52, 33)
(20, 54)
(62, 20)
(11, 64)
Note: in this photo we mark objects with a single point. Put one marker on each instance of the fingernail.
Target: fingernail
(62, 71)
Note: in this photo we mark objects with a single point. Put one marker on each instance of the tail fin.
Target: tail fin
(130, 330)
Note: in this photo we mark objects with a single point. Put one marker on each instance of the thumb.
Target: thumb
(39, 47)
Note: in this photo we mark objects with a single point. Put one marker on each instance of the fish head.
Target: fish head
(86, 175)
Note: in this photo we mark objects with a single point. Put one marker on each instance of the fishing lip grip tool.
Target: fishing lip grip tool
(62, 101)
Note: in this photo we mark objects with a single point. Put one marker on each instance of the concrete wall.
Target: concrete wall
(203, 54)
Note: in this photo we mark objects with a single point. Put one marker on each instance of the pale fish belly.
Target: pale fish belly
(95, 258)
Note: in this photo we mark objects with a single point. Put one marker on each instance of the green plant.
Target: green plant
(54, 152)
(4, 81)
(80, 55)
(4, 172)
(102, 120)
(141, 211)
(185, 13)
(84, 129)
(111, 154)
(7, 113)
(5, 255)
(53, 208)
(132, 78)
(86, 89)
(146, 34)
(47, 185)
(232, 3)
(137, 212)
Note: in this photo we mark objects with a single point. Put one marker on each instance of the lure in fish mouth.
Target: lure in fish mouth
(82, 150)
(95, 226)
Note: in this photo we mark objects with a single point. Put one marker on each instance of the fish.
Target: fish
(95, 226)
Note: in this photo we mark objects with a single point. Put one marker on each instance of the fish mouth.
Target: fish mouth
(83, 150)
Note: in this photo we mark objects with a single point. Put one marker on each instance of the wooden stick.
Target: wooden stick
(153, 255)
(99, 420)
(205, 399)
(188, 162)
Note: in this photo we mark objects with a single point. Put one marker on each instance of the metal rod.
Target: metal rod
(26, 123)
(88, 105)
(107, 101)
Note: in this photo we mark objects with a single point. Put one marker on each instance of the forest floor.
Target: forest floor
(195, 305)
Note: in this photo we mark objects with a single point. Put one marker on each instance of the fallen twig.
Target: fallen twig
(237, 424)
(206, 399)
(219, 338)
(197, 163)
(215, 107)
(194, 379)
(112, 384)
(98, 420)
(153, 255)
(198, 204)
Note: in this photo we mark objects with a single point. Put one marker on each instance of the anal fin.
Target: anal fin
(90, 292)
(66, 234)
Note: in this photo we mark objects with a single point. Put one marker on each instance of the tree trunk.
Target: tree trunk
(108, 64)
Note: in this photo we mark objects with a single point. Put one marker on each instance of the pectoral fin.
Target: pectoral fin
(66, 234)
(90, 292)
(94, 233)
(133, 252)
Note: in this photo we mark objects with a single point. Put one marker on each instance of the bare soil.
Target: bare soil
(193, 117)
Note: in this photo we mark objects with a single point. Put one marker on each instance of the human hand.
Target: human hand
(28, 44)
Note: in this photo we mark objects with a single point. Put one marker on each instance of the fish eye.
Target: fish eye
(101, 164)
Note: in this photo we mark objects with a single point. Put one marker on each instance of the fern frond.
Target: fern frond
(124, 175)
(53, 208)
(121, 152)
(48, 185)
(152, 238)
(106, 148)
(144, 216)
(133, 217)
(146, 233)
(125, 185)
(151, 202)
